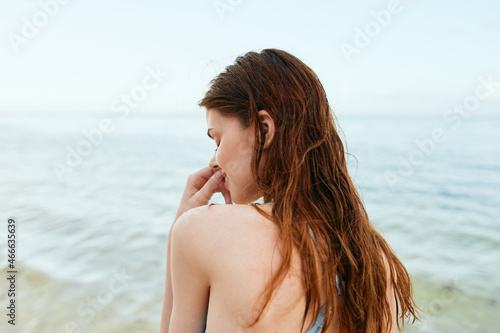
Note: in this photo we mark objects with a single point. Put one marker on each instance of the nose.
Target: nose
(213, 164)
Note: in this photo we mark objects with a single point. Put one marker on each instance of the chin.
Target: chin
(246, 197)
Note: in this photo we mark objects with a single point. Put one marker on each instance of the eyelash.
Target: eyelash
(217, 147)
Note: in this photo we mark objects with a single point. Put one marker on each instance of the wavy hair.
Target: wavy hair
(305, 175)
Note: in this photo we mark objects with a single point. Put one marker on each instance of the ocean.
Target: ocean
(93, 198)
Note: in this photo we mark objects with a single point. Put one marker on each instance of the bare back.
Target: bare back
(242, 253)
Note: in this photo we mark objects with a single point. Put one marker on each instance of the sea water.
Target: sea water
(93, 212)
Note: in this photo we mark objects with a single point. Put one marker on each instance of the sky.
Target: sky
(373, 57)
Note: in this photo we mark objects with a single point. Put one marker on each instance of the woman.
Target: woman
(308, 259)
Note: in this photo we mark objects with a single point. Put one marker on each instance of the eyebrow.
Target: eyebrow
(208, 133)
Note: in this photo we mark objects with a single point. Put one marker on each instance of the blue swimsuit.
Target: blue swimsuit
(319, 322)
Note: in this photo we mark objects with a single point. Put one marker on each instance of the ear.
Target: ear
(268, 127)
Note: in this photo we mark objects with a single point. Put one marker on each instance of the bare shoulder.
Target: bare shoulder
(213, 228)
(228, 242)
(217, 218)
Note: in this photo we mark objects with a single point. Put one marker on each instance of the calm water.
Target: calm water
(92, 242)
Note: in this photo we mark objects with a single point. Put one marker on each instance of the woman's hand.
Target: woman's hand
(200, 187)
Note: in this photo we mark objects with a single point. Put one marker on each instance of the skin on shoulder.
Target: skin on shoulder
(215, 230)
(219, 252)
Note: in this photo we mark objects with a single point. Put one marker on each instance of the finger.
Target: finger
(210, 187)
(225, 193)
(201, 177)
(224, 190)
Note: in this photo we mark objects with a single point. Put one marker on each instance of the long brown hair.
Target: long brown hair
(305, 175)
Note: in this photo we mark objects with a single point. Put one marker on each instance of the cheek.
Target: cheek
(236, 160)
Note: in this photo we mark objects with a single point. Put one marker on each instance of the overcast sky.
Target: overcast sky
(373, 57)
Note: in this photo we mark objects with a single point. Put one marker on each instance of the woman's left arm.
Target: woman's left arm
(200, 187)
(190, 274)
(168, 295)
